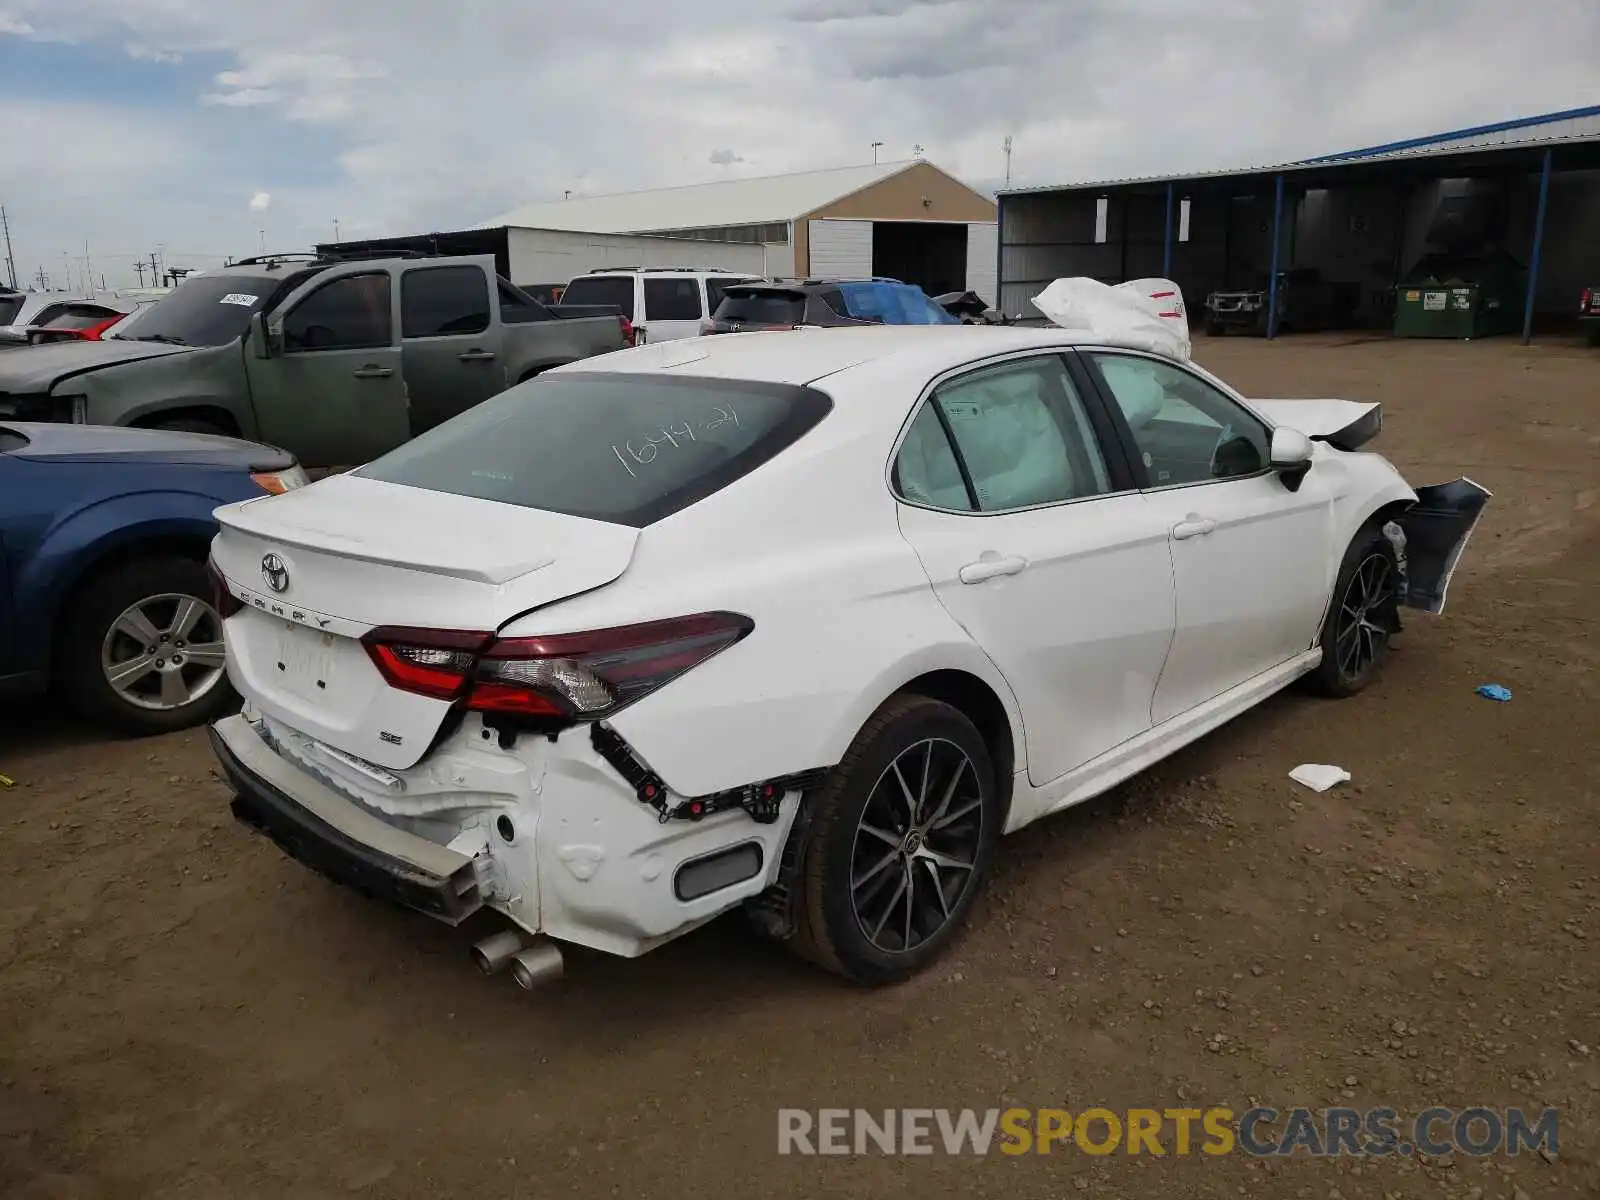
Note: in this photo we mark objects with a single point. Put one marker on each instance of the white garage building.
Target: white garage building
(906, 220)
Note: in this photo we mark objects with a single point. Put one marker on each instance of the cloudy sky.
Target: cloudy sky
(208, 126)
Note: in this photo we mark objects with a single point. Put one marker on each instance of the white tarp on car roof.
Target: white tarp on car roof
(1142, 314)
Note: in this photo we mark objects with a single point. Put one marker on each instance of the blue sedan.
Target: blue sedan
(104, 592)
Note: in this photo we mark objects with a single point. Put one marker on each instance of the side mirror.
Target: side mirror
(1291, 456)
(265, 342)
(259, 345)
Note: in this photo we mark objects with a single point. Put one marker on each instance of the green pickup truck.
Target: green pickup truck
(337, 362)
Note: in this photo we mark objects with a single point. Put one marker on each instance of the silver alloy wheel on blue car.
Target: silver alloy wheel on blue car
(164, 652)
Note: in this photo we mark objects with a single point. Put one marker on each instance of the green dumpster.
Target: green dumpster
(1459, 297)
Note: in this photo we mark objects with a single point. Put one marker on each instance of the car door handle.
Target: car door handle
(476, 356)
(373, 371)
(1194, 525)
(991, 566)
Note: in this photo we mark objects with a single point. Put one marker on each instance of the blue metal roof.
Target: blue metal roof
(1434, 139)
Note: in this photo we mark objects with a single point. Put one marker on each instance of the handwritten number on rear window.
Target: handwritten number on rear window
(645, 450)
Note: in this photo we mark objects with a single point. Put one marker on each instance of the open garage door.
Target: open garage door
(841, 249)
(983, 248)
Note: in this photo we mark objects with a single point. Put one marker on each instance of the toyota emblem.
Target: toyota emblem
(274, 572)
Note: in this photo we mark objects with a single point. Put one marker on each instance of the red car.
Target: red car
(79, 323)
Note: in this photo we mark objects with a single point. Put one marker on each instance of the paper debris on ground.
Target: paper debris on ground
(1319, 777)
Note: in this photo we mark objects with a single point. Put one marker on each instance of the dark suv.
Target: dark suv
(794, 304)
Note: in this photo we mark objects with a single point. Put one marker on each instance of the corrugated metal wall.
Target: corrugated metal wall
(1051, 235)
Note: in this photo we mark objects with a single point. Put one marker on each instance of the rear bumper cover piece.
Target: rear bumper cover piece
(338, 839)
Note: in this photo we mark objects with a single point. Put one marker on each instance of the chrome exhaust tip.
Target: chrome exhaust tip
(493, 953)
(537, 964)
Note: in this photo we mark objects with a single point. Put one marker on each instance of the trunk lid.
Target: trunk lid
(319, 567)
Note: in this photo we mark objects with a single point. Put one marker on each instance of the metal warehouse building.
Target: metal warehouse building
(1518, 200)
(908, 220)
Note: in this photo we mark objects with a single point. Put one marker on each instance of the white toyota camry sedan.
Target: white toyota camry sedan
(796, 621)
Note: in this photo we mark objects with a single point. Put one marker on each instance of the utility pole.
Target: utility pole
(155, 276)
(11, 263)
(336, 229)
(139, 267)
(1008, 159)
(44, 280)
(875, 146)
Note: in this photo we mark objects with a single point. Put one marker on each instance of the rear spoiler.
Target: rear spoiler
(1343, 424)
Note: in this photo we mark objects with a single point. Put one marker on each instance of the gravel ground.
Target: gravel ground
(184, 1013)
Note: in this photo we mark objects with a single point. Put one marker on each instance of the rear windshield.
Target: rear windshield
(616, 290)
(10, 306)
(629, 449)
(79, 317)
(762, 306)
(893, 304)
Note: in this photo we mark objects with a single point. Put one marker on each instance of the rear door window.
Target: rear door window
(348, 313)
(10, 306)
(672, 300)
(762, 306)
(1023, 435)
(613, 290)
(442, 301)
(629, 449)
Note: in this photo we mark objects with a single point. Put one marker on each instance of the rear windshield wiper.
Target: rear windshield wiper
(166, 339)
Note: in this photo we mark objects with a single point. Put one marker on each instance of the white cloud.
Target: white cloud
(440, 115)
(260, 202)
(138, 50)
(243, 98)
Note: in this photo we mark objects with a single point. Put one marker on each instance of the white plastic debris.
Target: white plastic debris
(1319, 777)
(1144, 314)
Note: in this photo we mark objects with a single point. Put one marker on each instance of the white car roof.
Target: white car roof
(803, 356)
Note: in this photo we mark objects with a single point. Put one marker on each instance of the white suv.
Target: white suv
(663, 303)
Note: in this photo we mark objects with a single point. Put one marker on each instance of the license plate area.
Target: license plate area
(306, 661)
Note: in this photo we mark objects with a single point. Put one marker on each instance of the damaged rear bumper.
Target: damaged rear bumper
(337, 838)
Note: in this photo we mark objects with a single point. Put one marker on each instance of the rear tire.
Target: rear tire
(141, 648)
(1362, 616)
(901, 839)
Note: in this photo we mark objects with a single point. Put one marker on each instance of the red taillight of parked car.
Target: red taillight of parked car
(1588, 298)
(94, 332)
(565, 676)
(222, 597)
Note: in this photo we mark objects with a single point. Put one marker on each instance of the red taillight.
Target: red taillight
(222, 598)
(93, 332)
(429, 662)
(568, 676)
(629, 337)
(1587, 297)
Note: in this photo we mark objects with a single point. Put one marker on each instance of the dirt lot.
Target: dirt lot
(184, 1013)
